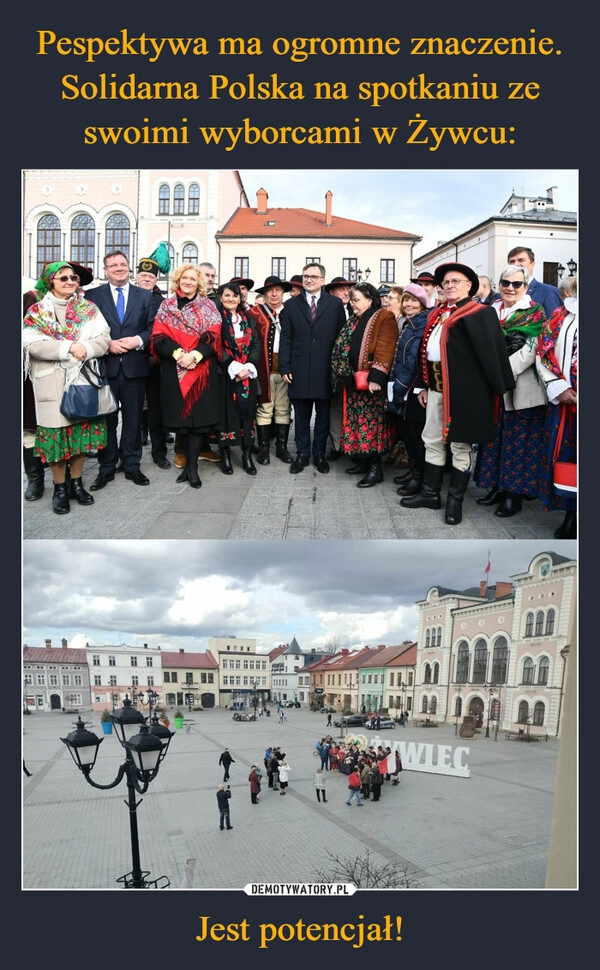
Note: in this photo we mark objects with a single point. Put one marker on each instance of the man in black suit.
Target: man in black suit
(310, 324)
(543, 293)
(129, 311)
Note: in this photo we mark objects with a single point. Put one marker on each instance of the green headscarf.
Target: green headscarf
(48, 273)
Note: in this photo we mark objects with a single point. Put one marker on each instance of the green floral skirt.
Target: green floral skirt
(60, 444)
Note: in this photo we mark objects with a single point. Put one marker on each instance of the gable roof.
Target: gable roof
(192, 661)
(248, 223)
(55, 655)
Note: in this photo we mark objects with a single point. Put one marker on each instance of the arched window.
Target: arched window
(523, 715)
(48, 241)
(529, 625)
(528, 671)
(190, 253)
(83, 238)
(538, 713)
(539, 623)
(178, 200)
(543, 669)
(424, 706)
(433, 706)
(480, 662)
(427, 638)
(194, 199)
(499, 660)
(164, 198)
(118, 234)
(427, 673)
(436, 673)
(458, 706)
(550, 617)
(462, 663)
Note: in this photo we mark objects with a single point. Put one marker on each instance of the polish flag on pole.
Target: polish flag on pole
(489, 564)
(387, 766)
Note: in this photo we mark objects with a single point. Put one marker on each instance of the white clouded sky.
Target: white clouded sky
(178, 595)
(436, 205)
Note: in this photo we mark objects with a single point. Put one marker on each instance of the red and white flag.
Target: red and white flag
(387, 766)
(489, 564)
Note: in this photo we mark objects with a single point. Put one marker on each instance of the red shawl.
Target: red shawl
(196, 323)
(472, 306)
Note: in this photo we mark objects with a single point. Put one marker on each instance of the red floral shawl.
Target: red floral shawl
(197, 322)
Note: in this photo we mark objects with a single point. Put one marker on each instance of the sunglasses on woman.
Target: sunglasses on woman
(516, 285)
(63, 279)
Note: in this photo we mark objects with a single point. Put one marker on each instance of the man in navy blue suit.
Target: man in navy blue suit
(542, 293)
(310, 324)
(129, 311)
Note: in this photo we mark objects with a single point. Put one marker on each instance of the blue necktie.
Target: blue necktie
(313, 307)
(120, 304)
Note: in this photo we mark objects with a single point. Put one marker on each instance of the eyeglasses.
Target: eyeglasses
(63, 279)
(312, 279)
(447, 283)
(516, 284)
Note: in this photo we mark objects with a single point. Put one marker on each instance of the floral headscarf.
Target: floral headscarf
(44, 284)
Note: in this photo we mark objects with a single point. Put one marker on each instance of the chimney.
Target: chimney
(381, 646)
(145, 646)
(482, 587)
(64, 643)
(503, 589)
(48, 644)
(181, 650)
(261, 203)
(328, 198)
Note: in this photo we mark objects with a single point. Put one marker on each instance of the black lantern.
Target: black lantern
(572, 267)
(145, 749)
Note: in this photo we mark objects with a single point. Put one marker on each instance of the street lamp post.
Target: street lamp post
(490, 691)
(191, 687)
(145, 748)
(457, 712)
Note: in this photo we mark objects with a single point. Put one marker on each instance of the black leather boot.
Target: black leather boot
(34, 469)
(60, 499)
(194, 444)
(404, 476)
(511, 504)
(226, 466)
(360, 466)
(264, 444)
(568, 529)
(78, 492)
(374, 474)
(412, 485)
(247, 463)
(429, 496)
(493, 497)
(456, 492)
(281, 438)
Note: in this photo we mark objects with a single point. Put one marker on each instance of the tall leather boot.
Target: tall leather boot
(429, 496)
(412, 485)
(34, 469)
(264, 444)
(456, 491)
(568, 529)
(374, 474)
(225, 453)
(194, 443)
(404, 476)
(360, 465)
(247, 463)
(281, 439)
(60, 499)
(181, 444)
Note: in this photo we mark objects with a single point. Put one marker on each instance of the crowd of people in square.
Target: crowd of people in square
(440, 370)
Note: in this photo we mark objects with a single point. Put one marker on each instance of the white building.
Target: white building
(244, 675)
(117, 670)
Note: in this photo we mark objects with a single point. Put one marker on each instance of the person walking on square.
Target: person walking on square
(254, 780)
(320, 784)
(354, 788)
(223, 796)
(226, 760)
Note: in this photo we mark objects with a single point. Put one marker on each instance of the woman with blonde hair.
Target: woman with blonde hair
(187, 338)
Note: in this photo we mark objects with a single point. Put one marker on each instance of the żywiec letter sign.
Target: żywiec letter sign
(436, 759)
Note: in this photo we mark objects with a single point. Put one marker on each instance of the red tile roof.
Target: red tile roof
(55, 655)
(303, 224)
